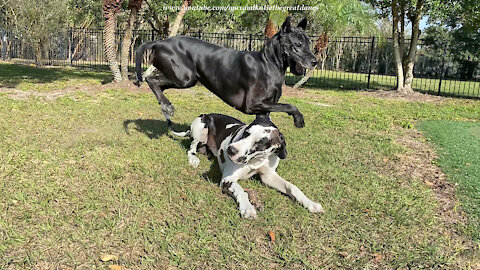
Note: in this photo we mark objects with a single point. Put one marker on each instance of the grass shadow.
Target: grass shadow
(329, 83)
(153, 128)
(213, 174)
(14, 74)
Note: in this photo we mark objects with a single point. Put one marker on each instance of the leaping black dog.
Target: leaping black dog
(251, 82)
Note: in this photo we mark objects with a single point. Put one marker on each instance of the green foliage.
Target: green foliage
(467, 51)
(338, 17)
(438, 46)
(36, 21)
(205, 20)
(461, 44)
(85, 12)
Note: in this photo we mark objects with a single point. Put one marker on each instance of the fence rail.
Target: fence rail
(347, 63)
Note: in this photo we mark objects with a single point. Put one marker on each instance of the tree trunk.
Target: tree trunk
(338, 55)
(134, 6)
(178, 20)
(402, 30)
(110, 9)
(410, 59)
(3, 39)
(38, 53)
(396, 48)
(320, 47)
(323, 58)
(46, 56)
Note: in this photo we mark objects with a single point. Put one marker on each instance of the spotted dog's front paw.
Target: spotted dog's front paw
(248, 212)
(315, 208)
(193, 160)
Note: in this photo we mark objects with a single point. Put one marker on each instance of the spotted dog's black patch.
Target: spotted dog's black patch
(217, 132)
(222, 156)
(226, 188)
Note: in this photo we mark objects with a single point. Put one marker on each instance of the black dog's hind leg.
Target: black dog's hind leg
(157, 84)
(266, 108)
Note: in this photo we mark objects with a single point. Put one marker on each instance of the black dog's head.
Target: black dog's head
(257, 141)
(296, 46)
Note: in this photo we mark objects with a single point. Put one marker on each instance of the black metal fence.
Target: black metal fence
(347, 63)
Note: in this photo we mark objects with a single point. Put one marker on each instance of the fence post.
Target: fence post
(70, 46)
(442, 71)
(372, 47)
(250, 43)
(199, 34)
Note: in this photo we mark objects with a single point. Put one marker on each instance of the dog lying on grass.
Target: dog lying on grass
(243, 151)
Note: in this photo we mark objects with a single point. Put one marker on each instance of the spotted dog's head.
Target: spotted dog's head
(296, 46)
(258, 140)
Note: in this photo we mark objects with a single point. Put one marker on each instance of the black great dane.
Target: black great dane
(251, 82)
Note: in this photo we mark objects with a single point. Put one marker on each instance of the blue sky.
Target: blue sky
(423, 23)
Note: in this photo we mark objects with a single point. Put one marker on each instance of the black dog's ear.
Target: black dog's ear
(287, 26)
(282, 151)
(303, 24)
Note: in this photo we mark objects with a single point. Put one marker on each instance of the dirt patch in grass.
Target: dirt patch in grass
(298, 93)
(394, 95)
(419, 163)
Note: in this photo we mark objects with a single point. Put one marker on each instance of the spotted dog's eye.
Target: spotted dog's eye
(263, 144)
(263, 141)
(298, 44)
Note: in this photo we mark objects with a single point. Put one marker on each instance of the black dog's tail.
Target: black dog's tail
(139, 59)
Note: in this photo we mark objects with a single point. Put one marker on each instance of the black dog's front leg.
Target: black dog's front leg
(265, 108)
(155, 83)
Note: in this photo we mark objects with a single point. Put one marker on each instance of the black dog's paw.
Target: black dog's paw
(137, 83)
(298, 120)
(299, 124)
(168, 109)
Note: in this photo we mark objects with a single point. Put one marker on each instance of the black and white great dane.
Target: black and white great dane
(243, 151)
(249, 81)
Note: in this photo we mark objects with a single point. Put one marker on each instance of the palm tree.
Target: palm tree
(134, 6)
(110, 10)
(274, 17)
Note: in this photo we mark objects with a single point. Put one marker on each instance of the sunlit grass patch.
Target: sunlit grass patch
(74, 185)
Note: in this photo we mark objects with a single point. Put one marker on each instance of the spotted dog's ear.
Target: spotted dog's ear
(209, 122)
(280, 139)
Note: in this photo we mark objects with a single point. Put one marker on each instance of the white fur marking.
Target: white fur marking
(231, 125)
(149, 71)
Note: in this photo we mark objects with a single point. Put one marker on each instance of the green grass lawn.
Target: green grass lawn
(330, 79)
(458, 144)
(74, 185)
(33, 78)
